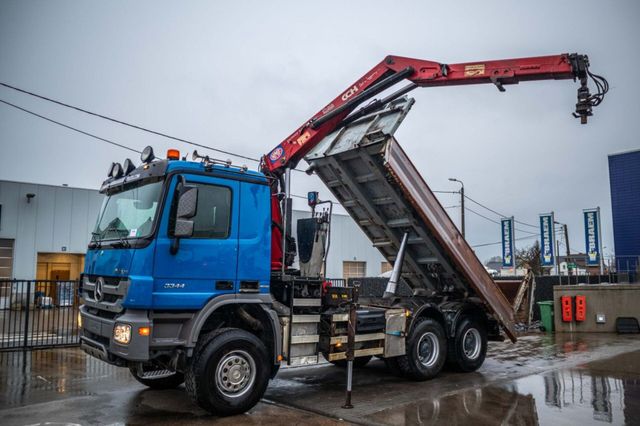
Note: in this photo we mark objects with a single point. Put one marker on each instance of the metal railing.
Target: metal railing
(36, 314)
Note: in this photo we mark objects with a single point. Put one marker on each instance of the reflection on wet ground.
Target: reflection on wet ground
(546, 379)
(582, 395)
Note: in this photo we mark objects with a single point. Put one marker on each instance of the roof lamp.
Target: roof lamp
(116, 170)
(173, 154)
(128, 166)
(147, 155)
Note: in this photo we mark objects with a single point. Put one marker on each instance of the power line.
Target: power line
(124, 123)
(500, 242)
(90, 134)
(498, 213)
(70, 127)
(498, 223)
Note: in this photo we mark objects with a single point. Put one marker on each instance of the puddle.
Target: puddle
(606, 391)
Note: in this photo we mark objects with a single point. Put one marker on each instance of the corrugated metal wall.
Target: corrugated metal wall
(624, 178)
(56, 218)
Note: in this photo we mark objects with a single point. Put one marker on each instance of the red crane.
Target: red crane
(420, 73)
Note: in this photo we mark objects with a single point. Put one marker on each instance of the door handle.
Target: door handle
(224, 285)
(249, 286)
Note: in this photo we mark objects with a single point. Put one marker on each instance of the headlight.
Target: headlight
(122, 333)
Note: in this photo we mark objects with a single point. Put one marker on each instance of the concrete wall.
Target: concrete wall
(57, 220)
(613, 300)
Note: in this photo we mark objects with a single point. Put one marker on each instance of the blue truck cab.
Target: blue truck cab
(176, 244)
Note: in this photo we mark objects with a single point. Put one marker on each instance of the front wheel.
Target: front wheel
(468, 348)
(229, 372)
(426, 351)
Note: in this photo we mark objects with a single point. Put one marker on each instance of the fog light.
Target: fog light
(122, 333)
(144, 331)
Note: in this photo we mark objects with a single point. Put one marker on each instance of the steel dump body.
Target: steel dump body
(371, 176)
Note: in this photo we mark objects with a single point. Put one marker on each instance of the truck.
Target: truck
(189, 275)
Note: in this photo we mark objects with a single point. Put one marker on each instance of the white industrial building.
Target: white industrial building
(45, 230)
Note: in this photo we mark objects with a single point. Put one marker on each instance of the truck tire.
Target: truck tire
(165, 382)
(426, 351)
(229, 372)
(357, 362)
(468, 347)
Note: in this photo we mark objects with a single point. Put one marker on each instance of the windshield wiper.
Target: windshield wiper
(94, 239)
(122, 241)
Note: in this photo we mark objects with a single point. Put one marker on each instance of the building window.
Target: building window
(6, 259)
(385, 267)
(354, 269)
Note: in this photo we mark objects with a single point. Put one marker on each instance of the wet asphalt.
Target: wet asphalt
(578, 379)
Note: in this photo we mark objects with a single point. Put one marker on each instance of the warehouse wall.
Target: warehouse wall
(60, 219)
(348, 243)
(624, 178)
(57, 220)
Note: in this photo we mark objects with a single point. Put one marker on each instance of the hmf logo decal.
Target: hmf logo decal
(276, 154)
(349, 93)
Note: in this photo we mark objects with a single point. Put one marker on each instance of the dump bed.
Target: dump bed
(371, 176)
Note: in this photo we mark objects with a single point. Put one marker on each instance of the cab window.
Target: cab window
(213, 213)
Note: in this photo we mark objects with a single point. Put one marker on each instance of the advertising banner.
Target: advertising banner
(508, 255)
(547, 239)
(592, 236)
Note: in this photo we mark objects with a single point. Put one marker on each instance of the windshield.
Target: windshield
(128, 214)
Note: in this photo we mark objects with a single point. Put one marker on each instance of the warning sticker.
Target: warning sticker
(473, 70)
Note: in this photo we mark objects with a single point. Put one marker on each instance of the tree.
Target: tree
(529, 258)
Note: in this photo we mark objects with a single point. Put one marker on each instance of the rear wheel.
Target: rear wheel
(426, 351)
(357, 362)
(229, 372)
(468, 348)
(157, 378)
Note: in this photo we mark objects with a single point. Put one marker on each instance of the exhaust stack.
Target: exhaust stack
(392, 285)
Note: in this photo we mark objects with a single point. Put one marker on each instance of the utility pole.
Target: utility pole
(461, 204)
(566, 243)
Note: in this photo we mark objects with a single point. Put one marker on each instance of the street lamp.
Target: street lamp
(461, 203)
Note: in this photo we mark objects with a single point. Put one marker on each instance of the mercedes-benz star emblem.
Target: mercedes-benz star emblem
(99, 291)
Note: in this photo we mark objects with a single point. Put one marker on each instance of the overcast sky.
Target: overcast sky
(241, 76)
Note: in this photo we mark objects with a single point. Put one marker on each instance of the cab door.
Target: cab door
(205, 264)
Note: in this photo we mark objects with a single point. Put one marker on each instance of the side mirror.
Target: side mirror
(186, 210)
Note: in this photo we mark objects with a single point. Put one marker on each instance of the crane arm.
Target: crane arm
(423, 73)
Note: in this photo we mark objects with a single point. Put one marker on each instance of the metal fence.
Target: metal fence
(36, 314)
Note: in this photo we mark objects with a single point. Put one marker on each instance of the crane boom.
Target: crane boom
(420, 73)
(423, 73)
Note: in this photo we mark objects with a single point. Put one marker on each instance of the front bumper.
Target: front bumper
(97, 337)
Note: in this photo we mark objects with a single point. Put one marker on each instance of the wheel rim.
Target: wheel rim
(471, 343)
(235, 374)
(428, 349)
